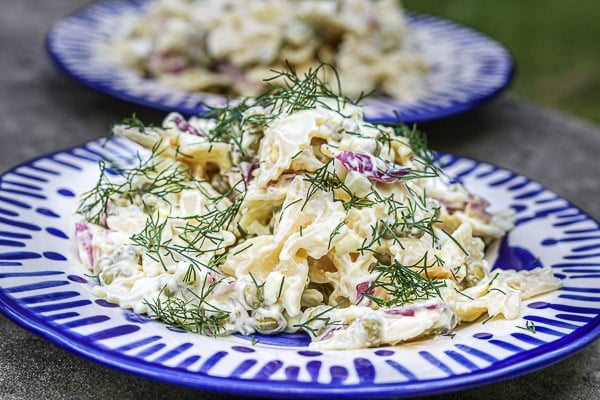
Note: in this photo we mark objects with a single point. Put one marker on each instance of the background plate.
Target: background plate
(467, 68)
(43, 288)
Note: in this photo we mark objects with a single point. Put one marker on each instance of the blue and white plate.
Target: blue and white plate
(45, 289)
(467, 68)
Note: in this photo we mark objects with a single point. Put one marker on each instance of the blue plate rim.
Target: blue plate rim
(511, 367)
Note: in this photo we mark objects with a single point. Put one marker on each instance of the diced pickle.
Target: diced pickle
(268, 321)
(108, 275)
(372, 329)
(383, 258)
(474, 274)
(220, 184)
(266, 324)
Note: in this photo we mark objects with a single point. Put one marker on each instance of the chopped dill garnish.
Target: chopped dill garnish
(404, 284)
(280, 288)
(304, 93)
(259, 288)
(322, 318)
(134, 122)
(195, 314)
(529, 326)
(463, 294)
(151, 176)
(493, 279)
(488, 319)
(497, 290)
(336, 231)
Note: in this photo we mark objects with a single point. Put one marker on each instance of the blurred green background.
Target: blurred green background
(555, 43)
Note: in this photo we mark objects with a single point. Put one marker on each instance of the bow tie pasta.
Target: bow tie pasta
(290, 212)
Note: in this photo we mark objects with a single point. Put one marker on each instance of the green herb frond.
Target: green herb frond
(325, 179)
(195, 314)
(152, 175)
(322, 320)
(305, 92)
(402, 284)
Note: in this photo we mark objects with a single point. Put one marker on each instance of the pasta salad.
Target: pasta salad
(289, 212)
(229, 46)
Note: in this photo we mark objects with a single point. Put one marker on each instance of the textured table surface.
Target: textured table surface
(42, 111)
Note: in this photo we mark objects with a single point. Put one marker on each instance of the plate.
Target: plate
(44, 288)
(467, 67)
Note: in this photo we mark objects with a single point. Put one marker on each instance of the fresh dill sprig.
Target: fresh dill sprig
(259, 288)
(306, 92)
(403, 221)
(336, 231)
(151, 176)
(297, 94)
(325, 179)
(488, 319)
(129, 123)
(491, 282)
(529, 326)
(280, 291)
(195, 314)
(199, 235)
(94, 203)
(134, 122)
(321, 318)
(404, 284)
(228, 124)
(463, 294)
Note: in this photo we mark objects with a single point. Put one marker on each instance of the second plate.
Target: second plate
(467, 68)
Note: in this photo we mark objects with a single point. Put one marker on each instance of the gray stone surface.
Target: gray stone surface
(42, 111)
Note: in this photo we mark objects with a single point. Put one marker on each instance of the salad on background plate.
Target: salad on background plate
(189, 56)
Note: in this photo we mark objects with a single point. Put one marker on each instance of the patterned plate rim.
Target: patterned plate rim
(510, 367)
